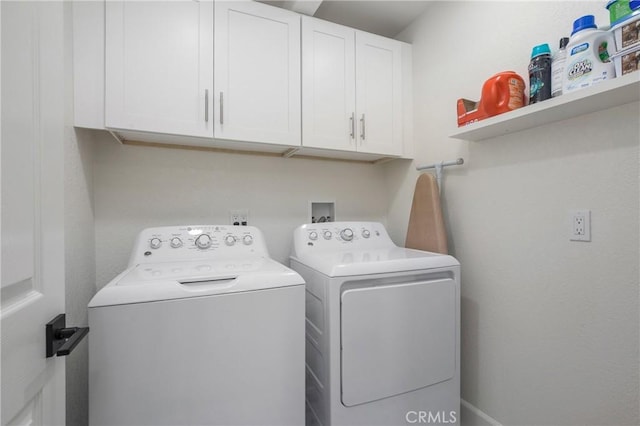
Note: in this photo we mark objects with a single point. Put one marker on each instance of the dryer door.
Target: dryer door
(397, 338)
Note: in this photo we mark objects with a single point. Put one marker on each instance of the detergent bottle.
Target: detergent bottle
(501, 93)
(557, 67)
(588, 51)
(540, 74)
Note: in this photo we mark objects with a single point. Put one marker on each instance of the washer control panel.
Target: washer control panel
(340, 235)
(177, 243)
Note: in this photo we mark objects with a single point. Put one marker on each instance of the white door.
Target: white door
(378, 94)
(257, 73)
(32, 290)
(159, 67)
(328, 85)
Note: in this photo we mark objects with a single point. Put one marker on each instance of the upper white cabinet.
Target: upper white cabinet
(240, 75)
(328, 85)
(257, 73)
(351, 90)
(378, 94)
(159, 67)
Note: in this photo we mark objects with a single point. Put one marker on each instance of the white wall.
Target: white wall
(80, 263)
(549, 326)
(137, 187)
(80, 266)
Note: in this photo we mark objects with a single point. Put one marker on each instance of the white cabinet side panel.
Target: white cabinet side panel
(88, 64)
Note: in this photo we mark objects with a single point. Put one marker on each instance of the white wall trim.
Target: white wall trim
(471, 415)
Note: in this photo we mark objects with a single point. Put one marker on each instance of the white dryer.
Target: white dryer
(382, 327)
(202, 328)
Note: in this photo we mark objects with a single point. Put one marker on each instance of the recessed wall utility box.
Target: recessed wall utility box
(322, 211)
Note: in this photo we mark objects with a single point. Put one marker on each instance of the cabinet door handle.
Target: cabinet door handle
(206, 105)
(362, 122)
(221, 108)
(352, 120)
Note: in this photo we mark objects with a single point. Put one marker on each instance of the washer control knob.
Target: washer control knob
(176, 242)
(203, 241)
(327, 235)
(366, 233)
(229, 240)
(247, 240)
(313, 235)
(346, 234)
(155, 243)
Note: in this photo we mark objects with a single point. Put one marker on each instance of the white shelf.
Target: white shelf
(619, 91)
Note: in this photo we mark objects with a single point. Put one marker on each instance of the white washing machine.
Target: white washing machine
(203, 328)
(382, 328)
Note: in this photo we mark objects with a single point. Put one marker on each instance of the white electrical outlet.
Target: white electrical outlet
(239, 217)
(580, 225)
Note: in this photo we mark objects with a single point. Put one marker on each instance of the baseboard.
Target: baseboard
(472, 416)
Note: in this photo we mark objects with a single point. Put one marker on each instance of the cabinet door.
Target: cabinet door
(257, 73)
(378, 94)
(159, 67)
(328, 85)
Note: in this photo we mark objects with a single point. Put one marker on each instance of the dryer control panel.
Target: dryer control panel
(192, 242)
(315, 237)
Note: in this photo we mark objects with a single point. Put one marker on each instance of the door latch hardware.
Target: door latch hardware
(61, 340)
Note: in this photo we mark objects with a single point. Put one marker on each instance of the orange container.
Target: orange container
(501, 93)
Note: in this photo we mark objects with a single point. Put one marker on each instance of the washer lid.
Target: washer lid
(177, 280)
(376, 261)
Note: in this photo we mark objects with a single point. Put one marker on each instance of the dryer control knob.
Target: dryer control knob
(176, 242)
(313, 235)
(327, 235)
(346, 234)
(203, 241)
(229, 240)
(155, 243)
(366, 233)
(247, 240)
